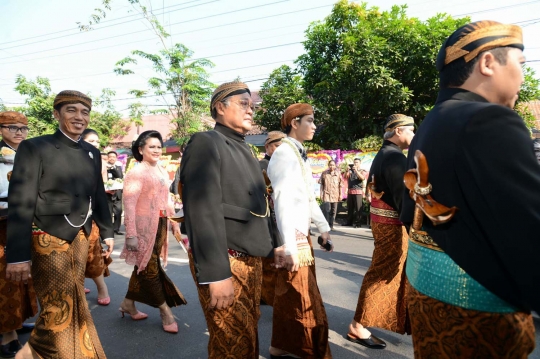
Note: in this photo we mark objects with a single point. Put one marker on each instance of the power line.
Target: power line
(101, 22)
(138, 41)
(496, 8)
(180, 33)
(136, 32)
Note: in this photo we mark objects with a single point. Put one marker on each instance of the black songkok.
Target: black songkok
(467, 42)
(71, 96)
(397, 120)
(226, 90)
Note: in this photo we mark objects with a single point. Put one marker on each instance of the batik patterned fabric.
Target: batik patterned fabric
(18, 301)
(152, 286)
(382, 302)
(233, 331)
(64, 328)
(300, 325)
(445, 331)
(96, 264)
(269, 274)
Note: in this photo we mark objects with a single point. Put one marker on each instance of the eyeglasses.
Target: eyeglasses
(245, 104)
(14, 129)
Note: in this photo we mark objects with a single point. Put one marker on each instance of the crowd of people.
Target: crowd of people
(453, 223)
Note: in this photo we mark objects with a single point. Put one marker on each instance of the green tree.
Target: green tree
(176, 74)
(530, 91)
(283, 88)
(362, 64)
(39, 105)
(105, 120)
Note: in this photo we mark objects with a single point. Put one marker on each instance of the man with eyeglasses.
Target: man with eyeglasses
(18, 300)
(227, 221)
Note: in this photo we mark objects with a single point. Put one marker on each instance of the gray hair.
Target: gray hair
(388, 135)
(225, 101)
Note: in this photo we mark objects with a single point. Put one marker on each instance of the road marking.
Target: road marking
(170, 259)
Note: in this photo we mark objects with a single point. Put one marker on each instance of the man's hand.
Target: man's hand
(221, 294)
(292, 263)
(18, 272)
(279, 257)
(326, 237)
(176, 230)
(107, 251)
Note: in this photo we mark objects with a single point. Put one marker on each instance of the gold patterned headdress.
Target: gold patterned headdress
(71, 96)
(397, 120)
(228, 89)
(470, 40)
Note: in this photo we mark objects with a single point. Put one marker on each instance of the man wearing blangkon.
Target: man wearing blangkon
(55, 193)
(474, 280)
(226, 216)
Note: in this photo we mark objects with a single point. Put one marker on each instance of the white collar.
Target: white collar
(70, 137)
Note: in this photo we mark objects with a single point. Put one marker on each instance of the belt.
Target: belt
(237, 254)
(36, 231)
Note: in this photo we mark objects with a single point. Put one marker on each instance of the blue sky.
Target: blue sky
(243, 39)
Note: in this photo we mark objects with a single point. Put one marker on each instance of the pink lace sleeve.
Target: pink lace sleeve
(133, 185)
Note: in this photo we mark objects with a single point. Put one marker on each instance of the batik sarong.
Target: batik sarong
(152, 286)
(96, 264)
(300, 325)
(382, 301)
(233, 331)
(269, 273)
(18, 300)
(445, 331)
(64, 328)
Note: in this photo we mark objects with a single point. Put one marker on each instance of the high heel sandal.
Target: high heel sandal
(104, 301)
(138, 316)
(171, 328)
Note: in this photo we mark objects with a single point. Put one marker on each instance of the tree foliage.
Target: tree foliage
(176, 74)
(283, 88)
(362, 65)
(105, 120)
(39, 105)
(530, 91)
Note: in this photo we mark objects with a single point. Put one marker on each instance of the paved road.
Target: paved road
(339, 275)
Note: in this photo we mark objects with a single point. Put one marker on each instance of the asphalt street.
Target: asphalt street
(339, 276)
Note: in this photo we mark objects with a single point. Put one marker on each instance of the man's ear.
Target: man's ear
(295, 124)
(220, 108)
(486, 63)
(56, 114)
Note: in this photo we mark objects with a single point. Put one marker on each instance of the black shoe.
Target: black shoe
(26, 328)
(372, 342)
(119, 233)
(10, 349)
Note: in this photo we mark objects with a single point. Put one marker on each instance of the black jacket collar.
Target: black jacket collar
(387, 143)
(458, 94)
(4, 144)
(66, 140)
(229, 132)
(266, 157)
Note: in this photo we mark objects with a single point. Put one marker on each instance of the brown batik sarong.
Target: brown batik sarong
(18, 301)
(96, 264)
(152, 286)
(269, 274)
(233, 331)
(382, 302)
(64, 328)
(300, 325)
(445, 331)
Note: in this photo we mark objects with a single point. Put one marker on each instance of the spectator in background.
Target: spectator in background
(272, 142)
(331, 184)
(355, 177)
(114, 171)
